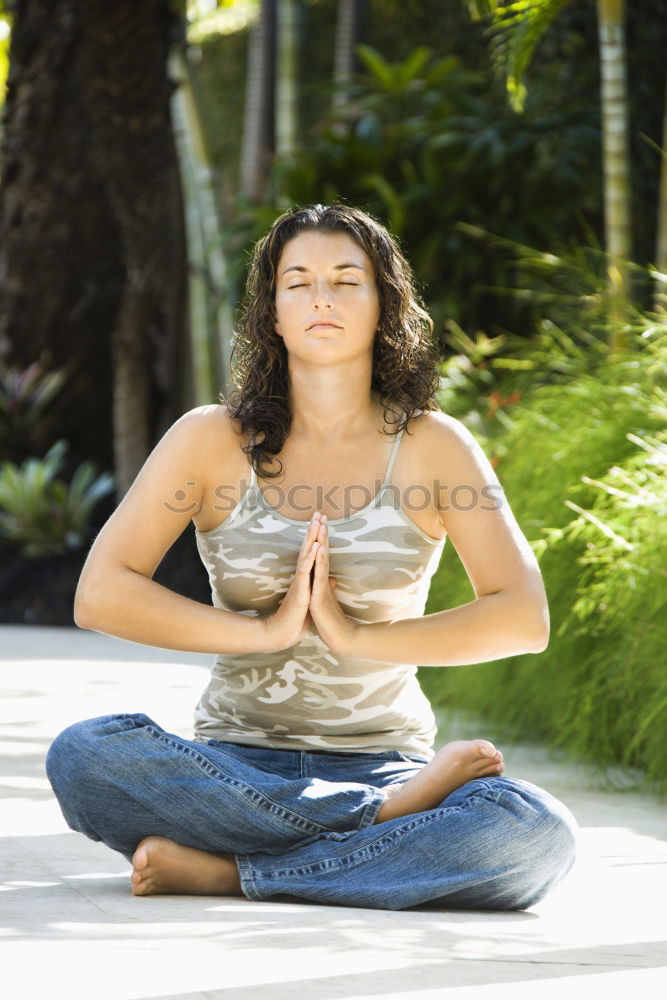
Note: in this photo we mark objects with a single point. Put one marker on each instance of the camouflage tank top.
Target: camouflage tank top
(307, 697)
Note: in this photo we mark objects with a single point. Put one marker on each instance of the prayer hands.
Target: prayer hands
(310, 598)
(334, 627)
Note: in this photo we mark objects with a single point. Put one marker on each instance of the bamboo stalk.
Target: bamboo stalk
(256, 146)
(286, 77)
(616, 163)
(660, 293)
(211, 318)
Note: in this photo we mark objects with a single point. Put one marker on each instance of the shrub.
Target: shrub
(583, 464)
(424, 145)
(42, 514)
(24, 398)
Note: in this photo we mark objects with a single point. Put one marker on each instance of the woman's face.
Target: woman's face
(327, 302)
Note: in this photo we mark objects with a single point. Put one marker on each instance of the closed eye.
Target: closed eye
(303, 284)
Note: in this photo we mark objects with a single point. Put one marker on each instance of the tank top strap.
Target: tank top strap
(392, 457)
(253, 487)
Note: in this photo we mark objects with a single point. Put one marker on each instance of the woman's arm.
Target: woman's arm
(489, 628)
(116, 593)
(509, 614)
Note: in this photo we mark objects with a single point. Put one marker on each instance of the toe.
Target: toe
(140, 857)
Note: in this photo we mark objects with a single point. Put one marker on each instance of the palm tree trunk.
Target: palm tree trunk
(660, 295)
(60, 254)
(257, 144)
(124, 52)
(616, 162)
(211, 319)
(286, 77)
(348, 29)
(348, 33)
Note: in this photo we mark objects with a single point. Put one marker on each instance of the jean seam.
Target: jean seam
(360, 856)
(356, 857)
(370, 812)
(297, 822)
(246, 877)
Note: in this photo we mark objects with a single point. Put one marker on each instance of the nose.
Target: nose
(322, 298)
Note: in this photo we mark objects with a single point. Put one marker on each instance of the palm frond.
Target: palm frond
(516, 29)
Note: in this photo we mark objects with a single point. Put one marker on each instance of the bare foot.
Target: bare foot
(451, 767)
(163, 866)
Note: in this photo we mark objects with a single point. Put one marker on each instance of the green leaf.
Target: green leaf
(376, 65)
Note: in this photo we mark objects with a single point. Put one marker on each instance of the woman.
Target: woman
(312, 772)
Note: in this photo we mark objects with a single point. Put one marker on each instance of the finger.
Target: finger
(322, 557)
(310, 558)
(323, 533)
(309, 537)
(302, 582)
(323, 554)
(322, 584)
(313, 527)
(309, 547)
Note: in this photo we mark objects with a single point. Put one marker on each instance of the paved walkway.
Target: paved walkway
(70, 928)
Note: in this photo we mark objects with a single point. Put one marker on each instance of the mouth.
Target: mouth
(324, 326)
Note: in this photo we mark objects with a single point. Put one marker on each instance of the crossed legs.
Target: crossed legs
(195, 819)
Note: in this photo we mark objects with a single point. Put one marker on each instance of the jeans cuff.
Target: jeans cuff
(369, 815)
(247, 878)
(244, 861)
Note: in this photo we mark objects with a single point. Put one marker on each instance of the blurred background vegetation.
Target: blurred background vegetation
(515, 150)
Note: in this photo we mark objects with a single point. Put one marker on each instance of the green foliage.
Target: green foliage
(45, 515)
(483, 377)
(24, 398)
(516, 29)
(467, 378)
(423, 145)
(5, 31)
(583, 461)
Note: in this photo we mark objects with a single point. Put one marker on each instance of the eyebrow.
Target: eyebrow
(337, 267)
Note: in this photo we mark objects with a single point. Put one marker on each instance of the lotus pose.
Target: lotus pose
(322, 491)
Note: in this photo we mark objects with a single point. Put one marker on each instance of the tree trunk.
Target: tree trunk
(616, 161)
(124, 54)
(286, 77)
(348, 35)
(60, 262)
(211, 313)
(92, 251)
(257, 146)
(348, 32)
(660, 295)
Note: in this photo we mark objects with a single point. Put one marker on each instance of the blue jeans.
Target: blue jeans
(302, 824)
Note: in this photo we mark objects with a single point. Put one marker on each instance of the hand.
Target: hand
(290, 622)
(334, 627)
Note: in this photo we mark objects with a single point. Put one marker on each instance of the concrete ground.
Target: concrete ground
(70, 928)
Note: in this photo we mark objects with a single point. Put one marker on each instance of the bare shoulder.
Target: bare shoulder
(203, 424)
(463, 480)
(473, 508)
(207, 436)
(443, 440)
(170, 489)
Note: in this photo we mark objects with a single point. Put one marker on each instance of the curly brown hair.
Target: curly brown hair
(404, 370)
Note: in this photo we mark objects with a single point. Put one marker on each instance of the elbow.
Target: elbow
(539, 631)
(84, 607)
(530, 621)
(80, 613)
(539, 642)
